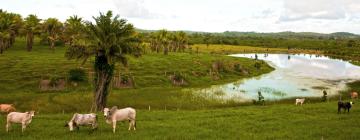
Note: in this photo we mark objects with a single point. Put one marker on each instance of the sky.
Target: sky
(323, 16)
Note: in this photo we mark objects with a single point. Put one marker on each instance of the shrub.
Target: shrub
(257, 65)
(238, 68)
(77, 75)
(178, 76)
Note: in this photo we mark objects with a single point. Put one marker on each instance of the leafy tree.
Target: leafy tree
(108, 39)
(31, 27)
(351, 43)
(53, 29)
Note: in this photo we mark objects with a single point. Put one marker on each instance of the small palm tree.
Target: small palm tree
(182, 40)
(162, 38)
(73, 29)
(109, 39)
(9, 27)
(31, 27)
(53, 28)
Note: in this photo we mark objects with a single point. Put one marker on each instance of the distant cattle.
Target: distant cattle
(114, 115)
(354, 95)
(7, 108)
(344, 105)
(16, 117)
(299, 101)
(82, 120)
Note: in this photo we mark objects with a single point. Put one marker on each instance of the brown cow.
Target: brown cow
(7, 108)
(354, 95)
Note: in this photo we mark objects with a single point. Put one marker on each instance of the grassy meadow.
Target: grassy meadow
(281, 121)
(174, 114)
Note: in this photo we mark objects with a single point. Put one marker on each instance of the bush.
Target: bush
(77, 75)
(238, 68)
(178, 76)
(257, 65)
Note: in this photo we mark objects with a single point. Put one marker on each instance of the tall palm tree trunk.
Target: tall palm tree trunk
(52, 45)
(166, 49)
(103, 77)
(29, 41)
(1, 46)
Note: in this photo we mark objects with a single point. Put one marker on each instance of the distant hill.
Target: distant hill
(286, 34)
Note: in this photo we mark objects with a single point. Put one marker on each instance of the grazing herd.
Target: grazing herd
(112, 116)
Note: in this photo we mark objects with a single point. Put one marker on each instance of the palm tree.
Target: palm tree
(9, 26)
(162, 38)
(73, 29)
(31, 27)
(182, 40)
(17, 25)
(53, 28)
(174, 41)
(109, 39)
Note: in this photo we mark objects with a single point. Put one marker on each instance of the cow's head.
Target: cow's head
(106, 112)
(70, 125)
(351, 103)
(31, 113)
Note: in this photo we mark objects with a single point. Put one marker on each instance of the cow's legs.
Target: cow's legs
(23, 127)
(94, 125)
(130, 124)
(114, 126)
(134, 124)
(7, 126)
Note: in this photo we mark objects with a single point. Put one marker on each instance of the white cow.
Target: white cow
(301, 101)
(82, 120)
(17, 117)
(113, 115)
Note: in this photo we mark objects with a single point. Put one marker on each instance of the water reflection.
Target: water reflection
(299, 75)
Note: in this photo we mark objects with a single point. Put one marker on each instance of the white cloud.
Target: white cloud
(208, 15)
(295, 10)
(133, 9)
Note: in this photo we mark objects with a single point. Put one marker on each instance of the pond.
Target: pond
(297, 75)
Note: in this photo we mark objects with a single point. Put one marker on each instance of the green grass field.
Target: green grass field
(174, 114)
(279, 121)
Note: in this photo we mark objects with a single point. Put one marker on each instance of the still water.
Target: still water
(301, 75)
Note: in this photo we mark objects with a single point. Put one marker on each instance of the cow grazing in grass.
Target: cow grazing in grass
(7, 108)
(16, 117)
(82, 120)
(354, 95)
(344, 105)
(114, 115)
(299, 101)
